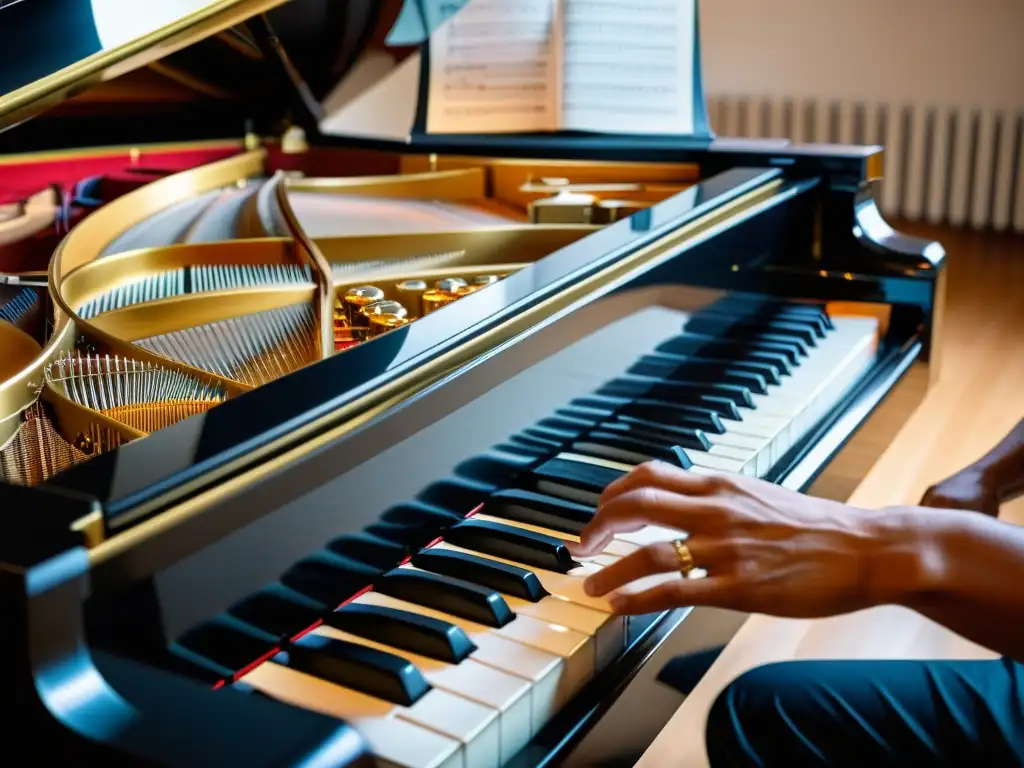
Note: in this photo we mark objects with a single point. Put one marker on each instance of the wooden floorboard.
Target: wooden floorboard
(978, 397)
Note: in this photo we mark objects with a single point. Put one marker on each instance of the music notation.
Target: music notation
(616, 66)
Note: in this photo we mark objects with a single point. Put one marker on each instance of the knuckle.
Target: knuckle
(647, 473)
(721, 482)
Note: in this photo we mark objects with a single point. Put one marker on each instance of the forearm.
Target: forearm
(965, 572)
(1003, 466)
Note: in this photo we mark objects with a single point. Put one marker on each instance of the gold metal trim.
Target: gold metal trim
(324, 298)
(105, 65)
(359, 412)
(462, 184)
(97, 277)
(99, 229)
(515, 242)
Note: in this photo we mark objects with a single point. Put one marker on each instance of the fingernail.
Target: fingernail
(617, 602)
(590, 588)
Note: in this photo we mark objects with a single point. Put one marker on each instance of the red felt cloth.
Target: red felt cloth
(21, 179)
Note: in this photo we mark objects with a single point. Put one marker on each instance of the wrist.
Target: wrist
(909, 554)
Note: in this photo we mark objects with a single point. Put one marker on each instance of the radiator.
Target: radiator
(963, 167)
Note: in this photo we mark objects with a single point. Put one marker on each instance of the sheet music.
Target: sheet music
(494, 68)
(629, 66)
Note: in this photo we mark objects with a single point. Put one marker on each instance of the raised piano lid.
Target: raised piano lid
(347, 72)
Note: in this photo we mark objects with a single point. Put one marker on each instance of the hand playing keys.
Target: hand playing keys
(764, 549)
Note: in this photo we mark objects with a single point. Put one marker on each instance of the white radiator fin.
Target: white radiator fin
(958, 166)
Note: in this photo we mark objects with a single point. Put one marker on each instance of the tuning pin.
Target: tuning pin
(433, 300)
(451, 284)
(385, 316)
(357, 298)
(411, 293)
(384, 307)
(480, 281)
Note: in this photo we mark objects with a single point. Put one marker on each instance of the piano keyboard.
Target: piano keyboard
(452, 629)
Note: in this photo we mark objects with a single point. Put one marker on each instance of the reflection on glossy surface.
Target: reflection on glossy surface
(227, 432)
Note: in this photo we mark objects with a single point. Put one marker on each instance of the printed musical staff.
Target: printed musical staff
(616, 66)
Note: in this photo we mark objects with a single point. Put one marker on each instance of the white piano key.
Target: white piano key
(574, 650)
(393, 739)
(503, 692)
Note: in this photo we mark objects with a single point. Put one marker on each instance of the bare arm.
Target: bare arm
(769, 550)
(970, 579)
(994, 479)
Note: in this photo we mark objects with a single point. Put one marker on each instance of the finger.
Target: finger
(648, 561)
(714, 591)
(658, 474)
(641, 507)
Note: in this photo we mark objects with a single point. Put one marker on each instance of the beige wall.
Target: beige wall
(965, 53)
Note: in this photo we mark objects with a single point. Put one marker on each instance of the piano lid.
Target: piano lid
(55, 51)
(351, 72)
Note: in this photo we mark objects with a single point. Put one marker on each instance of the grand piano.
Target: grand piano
(295, 421)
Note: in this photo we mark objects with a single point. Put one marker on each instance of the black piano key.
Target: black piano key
(629, 448)
(421, 516)
(526, 451)
(496, 467)
(576, 424)
(411, 538)
(367, 670)
(183, 663)
(503, 577)
(330, 579)
(597, 408)
(538, 509)
(278, 611)
(367, 548)
(661, 363)
(814, 316)
(750, 348)
(679, 414)
(651, 366)
(537, 443)
(678, 391)
(448, 595)
(515, 544)
(694, 439)
(406, 630)
(457, 494)
(224, 646)
(558, 437)
(714, 325)
(575, 474)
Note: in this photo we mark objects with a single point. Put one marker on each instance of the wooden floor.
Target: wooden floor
(978, 398)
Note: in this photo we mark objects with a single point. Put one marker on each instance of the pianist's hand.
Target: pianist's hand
(765, 549)
(968, 489)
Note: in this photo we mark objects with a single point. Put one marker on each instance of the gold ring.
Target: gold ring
(686, 563)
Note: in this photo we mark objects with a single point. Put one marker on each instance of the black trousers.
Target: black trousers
(968, 714)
